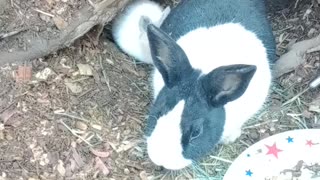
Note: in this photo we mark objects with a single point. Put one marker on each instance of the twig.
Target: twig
(260, 124)
(80, 79)
(5, 35)
(295, 97)
(72, 116)
(246, 144)
(45, 13)
(75, 133)
(315, 49)
(315, 83)
(221, 159)
(104, 74)
(91, 3)
(296, 4)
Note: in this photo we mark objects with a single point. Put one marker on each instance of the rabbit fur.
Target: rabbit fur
(212, 71)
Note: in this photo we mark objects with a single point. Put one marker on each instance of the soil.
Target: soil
(37, 18)
(80, 113)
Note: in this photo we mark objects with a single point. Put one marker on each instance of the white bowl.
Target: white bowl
(292, 155)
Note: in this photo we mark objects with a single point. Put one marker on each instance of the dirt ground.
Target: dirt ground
(80, 113)
(37, 18)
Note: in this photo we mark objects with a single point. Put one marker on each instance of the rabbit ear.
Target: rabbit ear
(227, 83)
(168, 57)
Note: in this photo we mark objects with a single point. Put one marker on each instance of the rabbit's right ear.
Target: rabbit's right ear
(227, 83)
(168, 56)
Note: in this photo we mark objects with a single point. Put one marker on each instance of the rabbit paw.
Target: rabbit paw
(231, 136)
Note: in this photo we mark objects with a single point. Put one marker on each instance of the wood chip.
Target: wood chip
(101, 166)
(100, 153)
(314, 106)
(126, 146)
(1, 131)
(60, 168)
(60, 23)
(78, 159)
(23, 74)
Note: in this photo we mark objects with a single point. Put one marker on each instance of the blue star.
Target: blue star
(249, 173)
(290, 139)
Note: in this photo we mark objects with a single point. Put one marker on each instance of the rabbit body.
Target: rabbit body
(212, 71)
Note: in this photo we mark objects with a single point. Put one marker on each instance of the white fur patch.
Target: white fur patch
(164, 144)
(227, 44)
(127, 31)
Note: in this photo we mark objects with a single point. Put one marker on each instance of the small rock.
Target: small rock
(45, 18)
(126, 171)
(254, 135)
(96, 126)
(143, 175)
(82, 126)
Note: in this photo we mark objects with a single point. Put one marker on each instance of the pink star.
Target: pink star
(273, 150)
(309, 143)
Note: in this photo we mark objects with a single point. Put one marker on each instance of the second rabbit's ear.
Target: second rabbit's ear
(168, 56)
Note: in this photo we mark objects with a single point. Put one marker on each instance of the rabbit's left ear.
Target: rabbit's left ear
(168, 57)
(226, 83)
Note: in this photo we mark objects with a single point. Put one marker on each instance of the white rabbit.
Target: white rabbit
(212, 71)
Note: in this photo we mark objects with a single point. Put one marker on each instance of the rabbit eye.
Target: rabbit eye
(196, 132)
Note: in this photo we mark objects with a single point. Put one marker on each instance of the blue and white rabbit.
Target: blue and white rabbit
(212, 71)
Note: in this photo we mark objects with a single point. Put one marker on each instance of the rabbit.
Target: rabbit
(212, 71)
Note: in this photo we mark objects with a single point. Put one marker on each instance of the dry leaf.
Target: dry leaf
(44, 74)
(6, 115)
(100, 153)
(101, 166)
(59, 22)
(74, 87)
(85, 69)
(60, 168)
